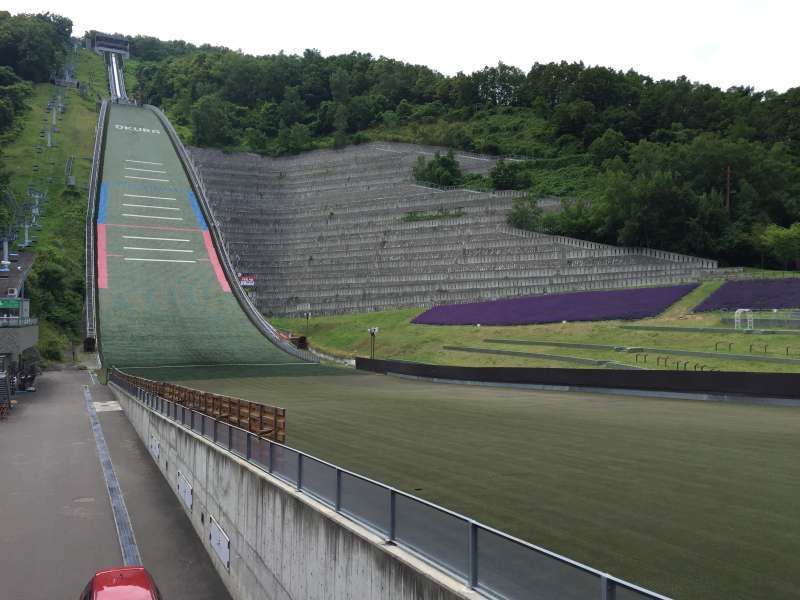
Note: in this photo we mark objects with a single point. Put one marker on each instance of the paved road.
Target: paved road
(56, 524)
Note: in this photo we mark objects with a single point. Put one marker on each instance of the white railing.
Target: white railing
(90, 298)
(245, 302)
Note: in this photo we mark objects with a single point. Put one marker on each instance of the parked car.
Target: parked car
(123, 583)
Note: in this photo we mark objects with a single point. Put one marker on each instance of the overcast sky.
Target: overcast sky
(731, 42)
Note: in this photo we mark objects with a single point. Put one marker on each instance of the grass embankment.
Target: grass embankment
(55, 284)
(129, 71)
(694, 500)
(346, 335)
(90, 69)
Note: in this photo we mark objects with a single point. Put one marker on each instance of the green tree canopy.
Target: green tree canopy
(441, 170)
(34, 45)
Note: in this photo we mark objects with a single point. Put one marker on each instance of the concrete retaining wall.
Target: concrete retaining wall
(283, 544)
(305, 224)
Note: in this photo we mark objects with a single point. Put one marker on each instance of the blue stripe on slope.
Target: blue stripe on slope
(197, 212)
(101, 211)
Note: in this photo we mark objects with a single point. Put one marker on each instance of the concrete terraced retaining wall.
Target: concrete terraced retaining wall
(329, 231)
(283, 544)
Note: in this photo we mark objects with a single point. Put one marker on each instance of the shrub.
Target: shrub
(525, 213)
(510, 175)
(441, 170)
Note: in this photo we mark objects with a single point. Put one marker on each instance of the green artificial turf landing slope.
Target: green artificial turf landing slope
(163, 304)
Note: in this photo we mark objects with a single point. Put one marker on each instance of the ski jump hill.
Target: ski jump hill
(165, 295)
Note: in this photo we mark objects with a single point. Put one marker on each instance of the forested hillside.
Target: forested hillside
(638, 161)
(34, 48)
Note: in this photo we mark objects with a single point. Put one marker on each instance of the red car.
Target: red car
(124, 583)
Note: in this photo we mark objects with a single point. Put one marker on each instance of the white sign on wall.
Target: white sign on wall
(247, 280)
(219, 542)
(155, 447)
(185, 491)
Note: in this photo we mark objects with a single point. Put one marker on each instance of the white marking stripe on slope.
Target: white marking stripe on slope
(150, 206)
(146, 178)
(155, 249)
(149, 197)
(144, 162)
(153, 217)
(161, 260)
(140, 237)
(145, 170)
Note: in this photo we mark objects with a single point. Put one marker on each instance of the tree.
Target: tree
(573, 117)
(6, 115)
(13, 89)
(32, 45)
(61, 26)
(340, 86)
(783, 243)
(363, 111)
(211, 122)
(269, 118)
(292, 108)
(500, 85)
(510, 175)
(441, 170)
(294, 139)
(340, 126)
(608, 145)
(525, 213)
(299, 138)
(550, 84)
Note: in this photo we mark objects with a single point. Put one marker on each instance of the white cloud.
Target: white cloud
(720, 42)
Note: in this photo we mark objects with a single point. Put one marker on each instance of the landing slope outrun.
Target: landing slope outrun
(163, 297)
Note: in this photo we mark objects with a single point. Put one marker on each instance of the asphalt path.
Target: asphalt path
(56, 523)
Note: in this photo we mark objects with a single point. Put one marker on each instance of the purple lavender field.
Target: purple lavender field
(757, 294)
(578, 306)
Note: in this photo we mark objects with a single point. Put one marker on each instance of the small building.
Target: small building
(103, 42)
(19, 332)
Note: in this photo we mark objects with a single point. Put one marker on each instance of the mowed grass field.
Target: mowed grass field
(346, 336)
(691, 499)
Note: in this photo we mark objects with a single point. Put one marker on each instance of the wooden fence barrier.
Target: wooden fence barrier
(261, 419)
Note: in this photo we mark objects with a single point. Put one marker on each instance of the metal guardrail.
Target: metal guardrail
(467, 188)
(18, 321)
(488, 561)
(90, 294)
(264, 326)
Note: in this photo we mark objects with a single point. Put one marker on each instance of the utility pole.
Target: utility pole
(728, 189)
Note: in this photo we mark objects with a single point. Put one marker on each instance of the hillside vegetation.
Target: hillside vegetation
(38, 48)
(637, 161)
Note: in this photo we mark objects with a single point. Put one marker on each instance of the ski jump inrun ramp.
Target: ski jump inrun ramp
(164, 298)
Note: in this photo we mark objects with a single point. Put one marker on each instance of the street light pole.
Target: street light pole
(372, 332)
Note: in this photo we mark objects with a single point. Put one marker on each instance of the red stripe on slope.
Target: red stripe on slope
(102, 262)
(212, 255)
